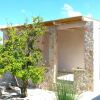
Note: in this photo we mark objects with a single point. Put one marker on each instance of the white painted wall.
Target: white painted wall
(1, 37)
(70, 49)
(96, 55)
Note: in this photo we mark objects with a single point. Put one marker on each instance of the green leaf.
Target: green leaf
(20, 53)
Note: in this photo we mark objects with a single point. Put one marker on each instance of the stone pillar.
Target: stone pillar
(88, 55)
(53, 52)
(84, 78)
(51, 74)
(79, 75)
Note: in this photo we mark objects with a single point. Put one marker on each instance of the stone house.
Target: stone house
(73, 45)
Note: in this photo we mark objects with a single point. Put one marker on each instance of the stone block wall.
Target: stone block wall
(88, 55)
(79, 76)
(84, 77)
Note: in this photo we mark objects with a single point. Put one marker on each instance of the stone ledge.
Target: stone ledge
(79, 69)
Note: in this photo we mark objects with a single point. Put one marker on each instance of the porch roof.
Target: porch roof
(56, 22)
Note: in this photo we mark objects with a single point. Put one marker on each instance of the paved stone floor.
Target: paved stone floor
(39, 94)
(33, 94)
(68, 77)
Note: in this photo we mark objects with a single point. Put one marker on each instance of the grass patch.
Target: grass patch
(65, 90)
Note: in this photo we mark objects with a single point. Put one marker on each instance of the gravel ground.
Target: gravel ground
(40, 94)
(33, 94)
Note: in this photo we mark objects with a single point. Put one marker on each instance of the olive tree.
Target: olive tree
(20, 54)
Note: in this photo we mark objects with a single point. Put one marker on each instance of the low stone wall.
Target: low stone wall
(48, 81)
(79, 82)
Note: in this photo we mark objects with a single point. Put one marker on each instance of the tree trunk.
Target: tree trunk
(24, 89)
(16, 80)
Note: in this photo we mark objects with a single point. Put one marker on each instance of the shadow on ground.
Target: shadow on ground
(9, 97)
(96, 98)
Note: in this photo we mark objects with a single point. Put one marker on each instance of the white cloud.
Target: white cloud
(89, 15)
(67, 7)
(74, 13)
(69, 11)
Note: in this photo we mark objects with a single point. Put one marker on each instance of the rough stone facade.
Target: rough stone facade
(88, 55)
(51, 75)
(84, 77)
(53, 51)
(79, 75)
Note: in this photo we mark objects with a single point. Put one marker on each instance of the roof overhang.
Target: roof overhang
(57, 22)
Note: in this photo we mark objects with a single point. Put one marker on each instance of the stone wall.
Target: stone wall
(88, 55)
(84, 77)
(79, 75)
(51, 74)
(53, 52)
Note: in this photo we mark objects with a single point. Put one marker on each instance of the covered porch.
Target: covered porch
(71, 47)
(69, 51)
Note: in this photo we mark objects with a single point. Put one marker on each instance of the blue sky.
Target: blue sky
(16, 11)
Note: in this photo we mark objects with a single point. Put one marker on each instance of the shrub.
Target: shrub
(65, 90)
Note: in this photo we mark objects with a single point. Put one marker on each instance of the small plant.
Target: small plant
(65, 90)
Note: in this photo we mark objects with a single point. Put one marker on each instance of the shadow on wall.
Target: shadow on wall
(96, 98)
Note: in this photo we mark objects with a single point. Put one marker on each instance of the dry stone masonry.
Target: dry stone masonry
(83, 78)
